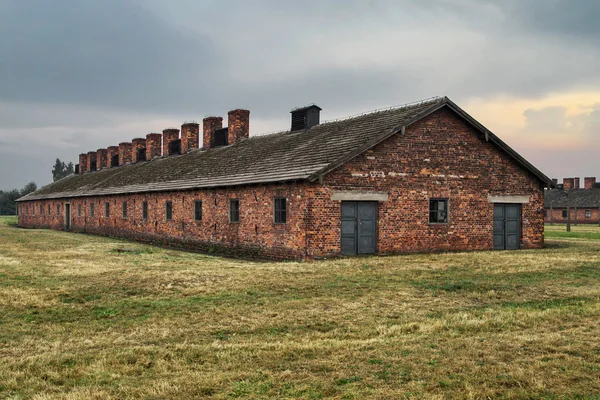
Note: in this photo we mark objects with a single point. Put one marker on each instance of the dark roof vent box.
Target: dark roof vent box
(305, 117)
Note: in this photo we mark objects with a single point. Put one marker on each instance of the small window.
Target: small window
(41, 210)
(169, 210)
(564, 213)
(220, 137)
(107, 209)
(141, 154)
(49, 210)
(588, 213)
(545, 213)
(93, 166)
(280, 210)
(234, 210)
(114, 161)
(175, 147)
(198, 210)
(145, 210)
(438, 211)
(124, 209)
(92, 210)
(32, 210)
(58, 210)
(79, 210)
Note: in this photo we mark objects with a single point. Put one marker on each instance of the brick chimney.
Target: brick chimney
(568, 183)
(555, 181)
(589, 182)
(190, 135)
(575, 183)
(101, 159)
(153, 145)
(169, 135)
(112, 156)
(124, 153)
(83, 163)
(209, 126)
(138, 150)
(238, 126)
(91, 161)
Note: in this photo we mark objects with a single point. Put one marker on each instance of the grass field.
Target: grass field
(86, 317)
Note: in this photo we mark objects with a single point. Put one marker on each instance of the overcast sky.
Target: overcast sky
(78, 75)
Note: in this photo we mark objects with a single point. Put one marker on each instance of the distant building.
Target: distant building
(417, 178)
(583, 204)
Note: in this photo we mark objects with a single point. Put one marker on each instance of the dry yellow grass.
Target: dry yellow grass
(81, 319)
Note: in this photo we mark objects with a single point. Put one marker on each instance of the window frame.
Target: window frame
(49, 210)
(92, 210)
(437, 210)
(107, 209)
(234, 211)
(79, 210)
(279, 211)
(588, 213)
(58, 210)
(169, 210)
(145, 210)
(198, 210)
(124, 210)
(564, 214)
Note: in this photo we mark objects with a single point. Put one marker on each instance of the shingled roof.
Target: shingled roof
(279, 157)
(580, 198)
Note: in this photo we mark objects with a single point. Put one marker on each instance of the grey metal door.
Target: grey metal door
(507, 226)
(359, 227)
(67, 217)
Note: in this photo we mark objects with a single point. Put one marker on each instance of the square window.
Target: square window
(92, 210)
(107, 209)
(234, 210)
(588, 213)
(438, 211)
(280, 207)
(198, 210)
(145, 210)
(124, 209)
(169, 210)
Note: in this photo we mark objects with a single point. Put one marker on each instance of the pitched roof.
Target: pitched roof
(580, 198)
(284, 156)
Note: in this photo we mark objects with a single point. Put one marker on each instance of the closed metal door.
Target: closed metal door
(359, 227)
(67, 217)
(507, 226)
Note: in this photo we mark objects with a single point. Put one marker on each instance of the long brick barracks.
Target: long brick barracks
(418, 178)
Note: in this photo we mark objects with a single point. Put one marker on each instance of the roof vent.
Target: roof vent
(305, 117)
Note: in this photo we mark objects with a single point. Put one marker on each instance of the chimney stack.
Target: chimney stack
(190, 135)
(92, 165)
(153, 145)
(238, 126)
(589, 182)
(124, 153)
(575, 183)
(101, 160)
(169, 135)
(112, 156)
(82, 163)
(209, 126)
(305, 117)
(568, 183)
(138, 150)
(555, 181)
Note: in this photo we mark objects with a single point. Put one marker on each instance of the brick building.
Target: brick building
(418, 178)
(570, 201)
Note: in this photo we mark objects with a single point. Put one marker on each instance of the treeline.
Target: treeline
(8, 205)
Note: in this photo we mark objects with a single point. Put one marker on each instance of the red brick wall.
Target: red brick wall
(555, 216)
(256, 233)
(439, 156)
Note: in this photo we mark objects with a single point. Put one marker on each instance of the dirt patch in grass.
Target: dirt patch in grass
(89, 317)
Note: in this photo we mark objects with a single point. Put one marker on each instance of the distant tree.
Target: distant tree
(60, 170)
(8, 205)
